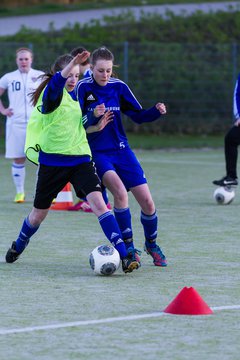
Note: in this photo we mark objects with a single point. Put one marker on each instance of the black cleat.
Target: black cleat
(130, 262)
(226, 181)
(12, 255)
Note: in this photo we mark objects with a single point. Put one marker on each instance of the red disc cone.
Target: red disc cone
(188, 302)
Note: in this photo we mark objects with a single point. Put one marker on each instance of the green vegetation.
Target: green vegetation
(174, 59)
(190, 67)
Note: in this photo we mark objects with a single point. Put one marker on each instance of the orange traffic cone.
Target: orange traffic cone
(188, 302)
(64, 199)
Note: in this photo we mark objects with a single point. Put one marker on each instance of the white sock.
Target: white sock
(18, 175)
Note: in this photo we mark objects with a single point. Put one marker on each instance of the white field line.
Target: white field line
(100, 321)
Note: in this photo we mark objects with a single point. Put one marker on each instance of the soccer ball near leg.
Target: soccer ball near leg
(104, 260)
(224, 195)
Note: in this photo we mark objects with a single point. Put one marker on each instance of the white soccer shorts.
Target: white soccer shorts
(15, 139)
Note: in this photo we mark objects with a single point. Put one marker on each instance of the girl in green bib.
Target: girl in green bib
(56, 141)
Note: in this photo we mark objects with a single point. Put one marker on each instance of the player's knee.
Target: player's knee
(120, 197)
(148, 207)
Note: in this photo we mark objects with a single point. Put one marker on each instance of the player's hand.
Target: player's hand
(105, 119)
(99, 110)
(81, 58)
(161, 108)
(8, 112)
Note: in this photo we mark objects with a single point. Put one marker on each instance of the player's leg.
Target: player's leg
(50, 181)
(30, 225)
(15, 141)
(85, 181)
(134, 179)
(111, 230)
(231, 143)
(106, 169)
(149, 222)
(18, 176)
(121, 210)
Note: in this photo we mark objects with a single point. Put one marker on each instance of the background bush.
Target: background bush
(190, 63)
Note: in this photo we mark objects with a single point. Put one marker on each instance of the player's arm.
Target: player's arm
(4, 111)
(77, 60)
(236, 102)
(132, 108)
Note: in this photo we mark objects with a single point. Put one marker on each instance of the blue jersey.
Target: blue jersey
(236, 100)
(118, 98)
(87, 73)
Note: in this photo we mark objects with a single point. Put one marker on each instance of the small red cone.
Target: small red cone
(188, 302)
(64, 199)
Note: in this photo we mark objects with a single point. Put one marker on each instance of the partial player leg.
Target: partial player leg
(18, 176)
(149, 222)
(111, 230)
(29, 227)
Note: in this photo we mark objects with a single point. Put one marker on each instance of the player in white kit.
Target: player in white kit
(19, 85)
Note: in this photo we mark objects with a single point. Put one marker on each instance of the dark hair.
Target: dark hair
(60, 63)
(79, 50)
(101, 53)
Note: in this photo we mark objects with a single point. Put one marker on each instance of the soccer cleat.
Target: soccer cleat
(12, 255)
(130, 262)
(19, 198)
(156, 253)
(135, 254)
(81, 205)
(226, 181)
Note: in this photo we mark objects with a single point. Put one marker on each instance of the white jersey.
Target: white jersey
(19, 87)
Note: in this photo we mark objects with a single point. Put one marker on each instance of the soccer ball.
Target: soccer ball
(224, 195)
(104, 260)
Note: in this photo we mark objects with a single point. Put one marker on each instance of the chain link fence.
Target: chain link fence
(196, 82)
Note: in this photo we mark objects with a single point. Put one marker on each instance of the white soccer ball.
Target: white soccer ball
(224, 195)
(104, 260)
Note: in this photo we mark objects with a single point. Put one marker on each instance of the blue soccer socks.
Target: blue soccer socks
(123, 217)
(24, 236)
(112, 232)
(150, 224)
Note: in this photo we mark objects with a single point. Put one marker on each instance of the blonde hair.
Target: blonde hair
(24, 49)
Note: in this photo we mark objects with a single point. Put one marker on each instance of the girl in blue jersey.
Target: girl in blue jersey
(116, 163)
(64, 156)
(85, 72)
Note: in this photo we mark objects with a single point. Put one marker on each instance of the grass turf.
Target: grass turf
(52, 282)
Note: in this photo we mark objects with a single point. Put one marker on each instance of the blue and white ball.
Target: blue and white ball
(224, 195)
(104, 260)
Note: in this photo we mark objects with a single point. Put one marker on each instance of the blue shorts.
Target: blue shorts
(124, 162)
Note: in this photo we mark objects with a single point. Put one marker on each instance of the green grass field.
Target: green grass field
(54, 307)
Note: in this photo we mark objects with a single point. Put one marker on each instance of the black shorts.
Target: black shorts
(52, 179)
